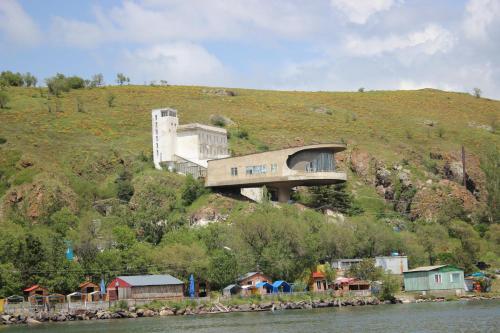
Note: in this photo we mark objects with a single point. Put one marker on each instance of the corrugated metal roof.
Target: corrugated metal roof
(150, 280)
(425, 268)
(247, 275)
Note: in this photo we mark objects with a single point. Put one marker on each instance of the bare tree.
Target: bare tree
(477, 92)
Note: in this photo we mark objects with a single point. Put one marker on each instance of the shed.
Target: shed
(145, 287)
(281, 286)
(90, 291)
(439, 278)
(232, 289)
(36, 294)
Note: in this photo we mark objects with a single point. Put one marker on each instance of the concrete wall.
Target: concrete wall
(393, 264)
(164, 126)
(271, 168)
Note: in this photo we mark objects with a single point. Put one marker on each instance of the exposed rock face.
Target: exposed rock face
(219, 92)
(362, 163)
(38, 200)
(475, 179)
(430, 200)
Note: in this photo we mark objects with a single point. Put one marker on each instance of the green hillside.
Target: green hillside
(68, 161)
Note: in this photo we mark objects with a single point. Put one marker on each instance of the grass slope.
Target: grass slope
(390, 124)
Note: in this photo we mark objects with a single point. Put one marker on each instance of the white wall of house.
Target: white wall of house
(392, 264)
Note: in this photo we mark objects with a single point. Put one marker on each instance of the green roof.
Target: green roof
(434, 268)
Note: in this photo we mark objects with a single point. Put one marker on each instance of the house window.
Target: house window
(234, 171)
(250, 282)
(438, 278)
(164, 113)
(249, 170)
(318, 285)
(156, 116)
(274, 168)
(455, 277)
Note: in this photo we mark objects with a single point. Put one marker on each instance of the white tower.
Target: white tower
(164, 125)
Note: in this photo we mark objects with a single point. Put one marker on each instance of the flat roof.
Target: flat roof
(195, 126)
(425, 268)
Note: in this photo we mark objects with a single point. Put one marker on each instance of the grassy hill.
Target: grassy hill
(64, 156)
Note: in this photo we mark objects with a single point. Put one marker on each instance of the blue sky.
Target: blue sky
(265, 44)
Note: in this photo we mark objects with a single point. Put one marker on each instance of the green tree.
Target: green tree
(124, 237)
(390, 286)
(125, 190)
(192, 190)
(12, 79)
(334, 197)
(223, 268)
(63, 220)
(29, 80)
(121, 79)
(432, 237)
(10, 280)
(366, 270)
(97, 80)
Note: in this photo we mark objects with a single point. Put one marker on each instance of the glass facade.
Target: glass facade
(324, 162)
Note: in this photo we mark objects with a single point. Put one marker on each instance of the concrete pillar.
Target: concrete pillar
(284, 193)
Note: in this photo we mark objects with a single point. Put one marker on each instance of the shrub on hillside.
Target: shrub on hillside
(218, 120)
(60, 83)
(4, 99)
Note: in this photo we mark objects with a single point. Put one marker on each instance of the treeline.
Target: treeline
(11, 79)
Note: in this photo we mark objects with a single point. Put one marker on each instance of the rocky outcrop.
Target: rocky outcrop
(475, 179)
(218, 92)
(362, 163)
(39, 199)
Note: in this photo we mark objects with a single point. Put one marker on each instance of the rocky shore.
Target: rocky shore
(201, 309)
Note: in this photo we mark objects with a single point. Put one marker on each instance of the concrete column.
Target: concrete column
(284, 193)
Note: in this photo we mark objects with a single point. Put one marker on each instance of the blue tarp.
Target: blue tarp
(264, 284)
(191, 286)
(281, 286)
(103, 287)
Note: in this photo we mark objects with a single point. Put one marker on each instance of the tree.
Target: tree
(125, 190)
(121, 79)
(390, 286)
(223, 268)
(29, 80)
(4, 99)
(334, 197)
(97, 80)
(361, 89)
(433, 237)
(12, 79)
(10, 280)
(192, 190)
(366, 270)
(477, 92)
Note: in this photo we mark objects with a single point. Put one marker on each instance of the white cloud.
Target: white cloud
(178, 63)
(17, 25)
(480, 14)
(152, 21)
(431, 40)
(359, 11)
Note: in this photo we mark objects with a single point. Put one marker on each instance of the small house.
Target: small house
(90, 291)
(36, 294)
(318, 282)
(145, 287)
(252, 278)
(435, 279)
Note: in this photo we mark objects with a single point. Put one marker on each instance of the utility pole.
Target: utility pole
(463, 166)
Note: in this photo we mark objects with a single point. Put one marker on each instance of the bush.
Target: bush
(242, 134)
(390, 286)
(361, 89)
(80, 106)
(111, 100)
(477, 92)
(192, 190)
(60, 83)
(218, 120)
(4, 99)
(2, 140)
(9, 78)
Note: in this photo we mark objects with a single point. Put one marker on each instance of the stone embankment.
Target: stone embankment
(201, 309)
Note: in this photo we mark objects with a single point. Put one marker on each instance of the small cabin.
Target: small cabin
(351, 286)
(435, 279)
(36, 294)
(318, 282)
(90, 291)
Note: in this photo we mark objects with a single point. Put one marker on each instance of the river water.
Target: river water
(461, 316)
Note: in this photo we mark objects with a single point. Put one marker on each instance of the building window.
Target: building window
(455, 277)
(318, 285)
(324, 162)
(156, 117)
(234, 171)
(249, 170)
(438, 278)
(164, 113)
(274, 168)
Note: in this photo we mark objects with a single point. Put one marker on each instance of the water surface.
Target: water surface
(462, 316)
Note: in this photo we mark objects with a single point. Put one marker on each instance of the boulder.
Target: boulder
(5, 318)
(166, 312)
(31, 321)
(148, 313)
(244, 307)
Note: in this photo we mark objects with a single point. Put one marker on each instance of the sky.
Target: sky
(328, 45)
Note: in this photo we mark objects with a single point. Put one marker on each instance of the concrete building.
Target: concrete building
(278, 170)
(392, 264)
(185, 148)
(439, 279)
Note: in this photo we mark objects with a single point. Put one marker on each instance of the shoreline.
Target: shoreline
(209, 309)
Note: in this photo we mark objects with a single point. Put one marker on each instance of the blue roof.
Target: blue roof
(264, 284)
(150, 280)
(278, 283)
